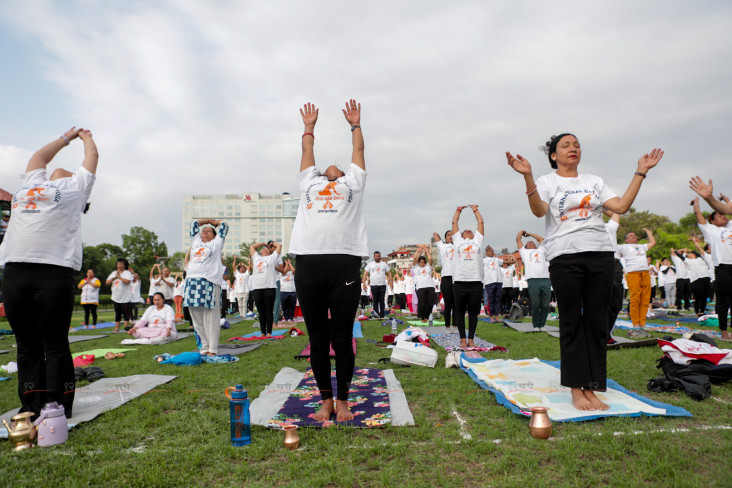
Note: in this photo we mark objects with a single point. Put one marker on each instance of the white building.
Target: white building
(250, 216)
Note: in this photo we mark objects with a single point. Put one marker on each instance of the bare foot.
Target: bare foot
(326, 408)
(343, 412)
(463, 343)
(116, 328)
(471, 343)
(579, 400)
(92, 326)
(596, 403)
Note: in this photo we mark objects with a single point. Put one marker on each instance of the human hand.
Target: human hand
(704, 190)
(353, 112)
(85, 134)
(648, 161)
(474, 207)
(167, 333)
(435, 236)
(647, 231)
(72, 133)
(724, 198)
(309, 114)
(519, 164)
(215, 222)
(460, 209)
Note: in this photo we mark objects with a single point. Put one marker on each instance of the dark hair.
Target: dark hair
(422, 258)
(377, 252)
(92, 270)
(447, 232)
(161, 295)
(551, 145)
(713, 215)
(125, 262)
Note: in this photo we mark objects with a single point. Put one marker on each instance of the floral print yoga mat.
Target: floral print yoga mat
(369, 402)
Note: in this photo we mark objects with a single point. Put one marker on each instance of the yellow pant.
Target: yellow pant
(639, 289)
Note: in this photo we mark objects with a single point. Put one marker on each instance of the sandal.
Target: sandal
(110, 355)
(94, 373)
(79, 373)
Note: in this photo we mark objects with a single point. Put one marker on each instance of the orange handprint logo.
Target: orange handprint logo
(326, 192)
(35, 192)
(327, 205)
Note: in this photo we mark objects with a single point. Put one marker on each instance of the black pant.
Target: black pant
(448, 297)
(700, 290)
(506, 299)
(289, 302)
(330, 281)
(250, 302)
(402, 301)
(39, 301)
(468, 295)
(582, 283)
(90, 308)
(121, 310)
(683, 291)
(224, 303)
(264, 299)
(134, 310)
(364, 301)
(616, 297)
(426, 300)
(378, 292)
(723, 279)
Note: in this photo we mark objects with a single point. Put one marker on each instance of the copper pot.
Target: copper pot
(292, 440)
(540, 425)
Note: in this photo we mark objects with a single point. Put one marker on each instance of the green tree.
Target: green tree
(143, 249)
(102, 258)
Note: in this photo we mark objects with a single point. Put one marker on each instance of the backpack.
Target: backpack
(516, 313)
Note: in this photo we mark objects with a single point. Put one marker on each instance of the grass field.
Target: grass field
(179, 436)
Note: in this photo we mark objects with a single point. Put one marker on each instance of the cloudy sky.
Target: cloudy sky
(186, 97)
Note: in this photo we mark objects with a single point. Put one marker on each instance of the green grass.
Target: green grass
(179, 435)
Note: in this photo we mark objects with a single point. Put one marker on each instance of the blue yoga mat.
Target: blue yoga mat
(3, 379)
(275, 333)
(357, 334)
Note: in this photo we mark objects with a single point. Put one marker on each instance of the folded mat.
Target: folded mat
(82, 338)
(522, 384)
(376, 399)
(305, 353)
(450, 342)
(99, 353)
(668, 329)
(237, 349)
(688, 320)
(144, 341)
(104, 395)
(419, 323)
(257, 336)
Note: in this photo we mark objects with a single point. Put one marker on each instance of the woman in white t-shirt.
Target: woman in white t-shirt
(580, 257)
(41, 251)
(157, 323)
(120, 281)
(202, 293)
(423, 282)
(288, 293)
(89, 287)
(178, 295)
(264, 287)
(329, 240)
(447, 253)
(536, 275)
(241, 286)
(467, 278)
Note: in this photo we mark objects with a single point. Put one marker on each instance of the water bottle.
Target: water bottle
(393, 326)
(241, 429)
(430, 320)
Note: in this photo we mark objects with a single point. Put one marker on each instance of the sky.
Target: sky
(189, 97)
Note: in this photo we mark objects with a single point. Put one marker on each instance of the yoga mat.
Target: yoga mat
(305, 353)
(688, 320)
(103, 325)
(257, 336)
(521, 326)
(522, 384)
(82, 338)
(436, 330)
(3, 379)
(3, 352)
(422, 325)
(624, 343)
(236, 349)
(99, 353)
(669, 329)
(103, 395)
(357, 334)
(274, 396)
(148, 342)
(451, 342)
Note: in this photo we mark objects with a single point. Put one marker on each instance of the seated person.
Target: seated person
(157, 323)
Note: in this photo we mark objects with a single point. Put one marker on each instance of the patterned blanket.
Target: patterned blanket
(451, 342)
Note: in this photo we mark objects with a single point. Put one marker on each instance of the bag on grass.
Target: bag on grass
(408, 353)
(516, 314)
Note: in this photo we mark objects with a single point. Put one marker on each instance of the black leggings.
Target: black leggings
(700, 290)
(39, 301)
(289, 302)
(426, 300)
(330, 281)
(506, 299)
(616, 296)
(378, 293)
(683, 292)
(90, 308)
(121, 310)
(448, 297)
(723, 279)
(264, 299)
(468, 295)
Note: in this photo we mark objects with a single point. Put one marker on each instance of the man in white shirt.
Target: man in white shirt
(166, 285)
(637, 275)
(537, 276)
(376, 272)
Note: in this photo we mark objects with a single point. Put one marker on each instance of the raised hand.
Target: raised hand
(84, 134)
(704, 190)
(518, 163)
(647, 231)
(460, 209)
(648, 161)
(309, 114)
(72, 133)
(474, 207)
(352, 112)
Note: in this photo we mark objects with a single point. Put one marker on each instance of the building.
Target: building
(250, 216)
(402, 259)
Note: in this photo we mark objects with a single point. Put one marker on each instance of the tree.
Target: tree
(102, 258)
(142, 249)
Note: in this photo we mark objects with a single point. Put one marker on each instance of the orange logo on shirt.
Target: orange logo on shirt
(584, 205)
(327, 205)
(260, 267)
(200, 251)
(326, 191)
(156, 321)
(468, 252)
(310, 205)
(31, 205)
(35, 191)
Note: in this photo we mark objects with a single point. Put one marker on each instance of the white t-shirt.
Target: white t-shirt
(507, 276)
(159, 318)
(467, 260)
(135, 296)
(612, 231)
(447, 255)
(697, 268)
(492, 270)
(634, 256)
(377, 273)
(121, 291)
(398, 287)
(241, 282)
(287, 282)
(535, 264)
(330, 215)
(152, 289)
(720, 242)
(669, 277)
(365, 290)
(46, 223)
(263, 271)
(423, 276)
(90, 294)
(574, 220)
(179, 288)
(205, 259)
(164, 288)
(682, 269)
(408, 284)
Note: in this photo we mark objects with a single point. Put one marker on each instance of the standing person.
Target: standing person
(580, 258)
(409, 294)
(4, 224)
(376, 272)
(264, 287)
(41, 250)
(423, 282)
(447, 255)
(669, 281)
(654, 279)
(178, 296)
(280, 270)
(365, 294)
(135, 296)
(493, 281)
(618, 290)
(241, 286)
(121, 281)
(89, 287)
(683, 283)
(467, 275)
(537, 277)
(329, 240)
(154, 278)
(698, 276)
(507, 275)
(400, 291)
(202, 293)
(288, 292)
(637, 275)
(165, 284)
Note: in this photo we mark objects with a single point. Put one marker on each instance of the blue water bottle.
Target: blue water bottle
(241, 429)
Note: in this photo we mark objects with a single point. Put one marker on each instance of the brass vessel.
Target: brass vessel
(24, 433)
(292, 440)
(540, 425)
